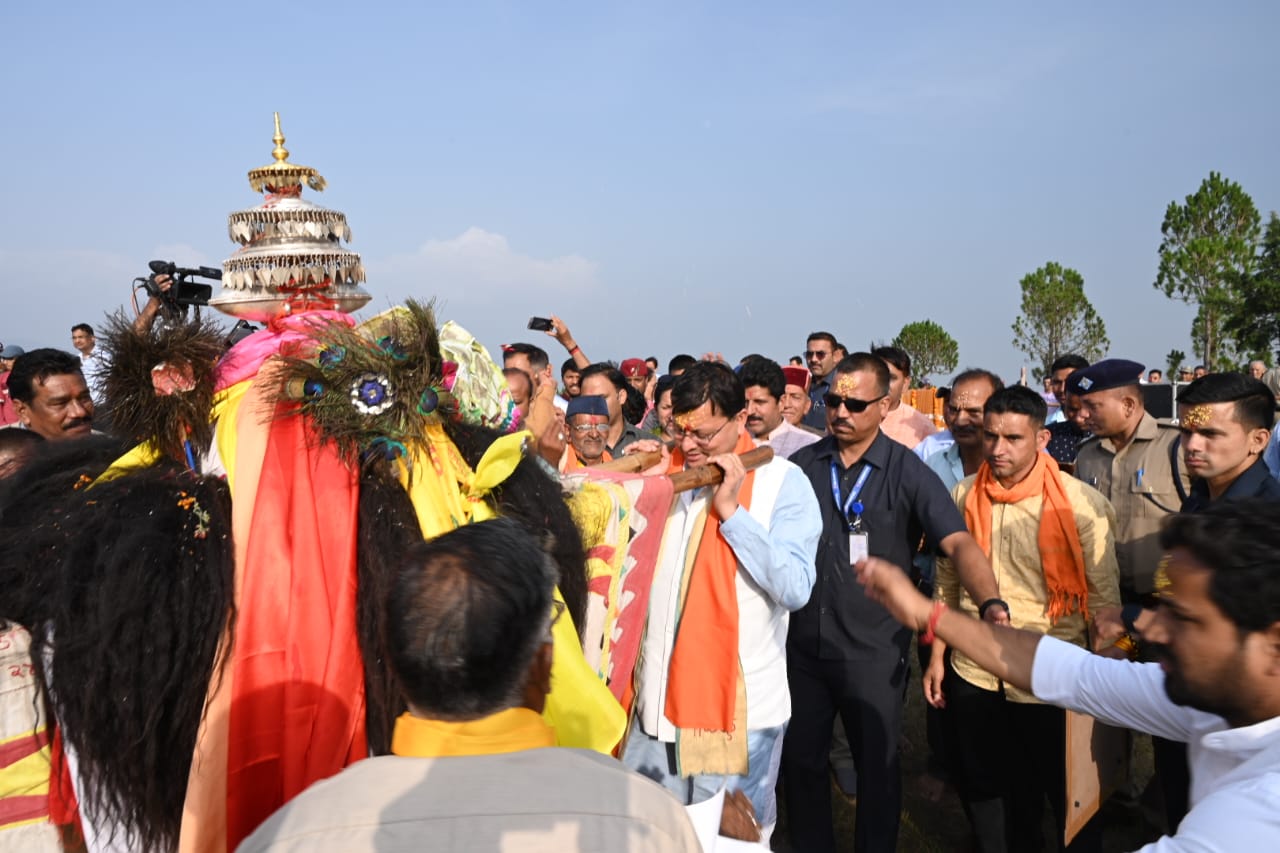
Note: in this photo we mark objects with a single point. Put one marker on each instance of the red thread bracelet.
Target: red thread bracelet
(934, 616)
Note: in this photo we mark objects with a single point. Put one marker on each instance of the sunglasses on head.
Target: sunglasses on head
(851, 404)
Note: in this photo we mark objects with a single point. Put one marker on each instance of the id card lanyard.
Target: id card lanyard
(851, 511)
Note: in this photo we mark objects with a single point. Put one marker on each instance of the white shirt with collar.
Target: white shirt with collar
(775, 542)
(1235, 772)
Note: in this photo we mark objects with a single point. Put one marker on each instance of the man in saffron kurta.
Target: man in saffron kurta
(475, 766)
(736, 559)
(1051, 545)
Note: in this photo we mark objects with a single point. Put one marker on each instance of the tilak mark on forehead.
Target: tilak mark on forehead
(688, 420)
(1161, 581)
(846, 385)
(1197, 416)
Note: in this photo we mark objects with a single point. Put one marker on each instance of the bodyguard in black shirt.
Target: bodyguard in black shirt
(845, 653)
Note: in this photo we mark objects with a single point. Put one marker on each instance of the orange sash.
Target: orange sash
(1061, 555)
(703, 678)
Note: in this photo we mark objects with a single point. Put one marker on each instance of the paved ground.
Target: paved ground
(941, 826)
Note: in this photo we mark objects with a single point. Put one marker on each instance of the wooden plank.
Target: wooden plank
(1097, 762)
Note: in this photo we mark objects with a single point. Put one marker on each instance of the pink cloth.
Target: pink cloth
(907, 426)
(8, 413)
(245, 359)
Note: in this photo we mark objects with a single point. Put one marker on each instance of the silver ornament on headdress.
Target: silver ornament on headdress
(290, 257)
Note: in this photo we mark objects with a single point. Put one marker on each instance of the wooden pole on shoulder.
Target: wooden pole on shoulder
(683, 481)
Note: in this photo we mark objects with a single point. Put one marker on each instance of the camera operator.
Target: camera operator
(155, 303)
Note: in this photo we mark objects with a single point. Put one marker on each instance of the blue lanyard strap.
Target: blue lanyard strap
(853, 505)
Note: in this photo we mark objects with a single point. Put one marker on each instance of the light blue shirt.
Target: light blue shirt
(780, 559)
(950, 470)
(947, 465)
(932, 444)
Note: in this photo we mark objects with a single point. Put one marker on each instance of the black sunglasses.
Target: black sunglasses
(852, 404)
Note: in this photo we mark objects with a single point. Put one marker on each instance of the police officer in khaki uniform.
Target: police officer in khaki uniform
(1133, 460)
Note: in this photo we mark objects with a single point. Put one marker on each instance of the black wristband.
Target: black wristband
(1129, 615)
(993, 602)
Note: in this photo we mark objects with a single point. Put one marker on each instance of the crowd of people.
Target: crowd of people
(1032, 555)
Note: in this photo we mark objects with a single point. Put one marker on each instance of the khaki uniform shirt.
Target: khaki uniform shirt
(1015, 559)
(1141, 481)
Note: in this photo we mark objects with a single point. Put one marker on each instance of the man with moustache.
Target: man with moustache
(845, 654)
(1050, 542)
(1225, 421)
(605, 380)
(963, 414)
(50, 394)
(570, 374)
(587, 423)
(737, 558)
(1216, 687)
(1134, 460)
(764, 384)
(820, 356)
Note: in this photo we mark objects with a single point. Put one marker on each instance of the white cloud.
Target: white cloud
(481, 263)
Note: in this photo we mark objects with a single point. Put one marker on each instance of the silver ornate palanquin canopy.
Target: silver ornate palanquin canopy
(290, 257)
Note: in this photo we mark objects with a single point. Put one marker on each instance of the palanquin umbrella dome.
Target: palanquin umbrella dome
(291, 256)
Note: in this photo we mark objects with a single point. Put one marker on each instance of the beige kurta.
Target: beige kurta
(1015, 559)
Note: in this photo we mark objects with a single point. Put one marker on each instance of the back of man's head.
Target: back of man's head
(1240, 542)
(34, 367)
(708, 381)
(466, 615)
(865, 362)
(1070, 360)
(1018, 400)
(536, 355)
(680, 363)
(895, 356)
(1255, 404)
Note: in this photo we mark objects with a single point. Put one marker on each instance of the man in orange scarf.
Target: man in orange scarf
(736, 559)
(1051, 544)
(475, 767)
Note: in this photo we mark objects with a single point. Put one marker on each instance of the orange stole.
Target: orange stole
(702, 686)
(1061, 555)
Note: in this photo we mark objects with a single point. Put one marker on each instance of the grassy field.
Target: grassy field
(929, 826)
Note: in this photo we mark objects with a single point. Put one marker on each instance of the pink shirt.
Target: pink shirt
(907, 426)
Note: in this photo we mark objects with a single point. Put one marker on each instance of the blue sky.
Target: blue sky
(665, 176)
